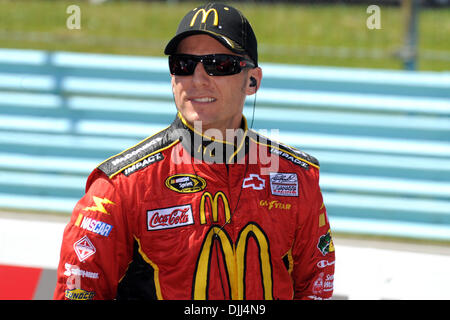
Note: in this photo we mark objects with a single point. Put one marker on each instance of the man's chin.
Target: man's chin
(198, 119)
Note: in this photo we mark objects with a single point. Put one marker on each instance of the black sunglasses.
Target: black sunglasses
(214, 64)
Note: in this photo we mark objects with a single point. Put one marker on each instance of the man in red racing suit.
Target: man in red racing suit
(156, 224)
(186, 215)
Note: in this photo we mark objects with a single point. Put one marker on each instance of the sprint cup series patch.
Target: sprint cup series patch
(284, 184)
(185, 183)
(168, 218)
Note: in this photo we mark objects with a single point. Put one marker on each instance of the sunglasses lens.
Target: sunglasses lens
(221, 65)
(181, 65)
(215, 65)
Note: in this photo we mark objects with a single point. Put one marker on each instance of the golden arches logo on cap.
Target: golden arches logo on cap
(205, 15)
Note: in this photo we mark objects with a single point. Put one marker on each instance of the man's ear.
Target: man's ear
(172, 81)
(254, 77)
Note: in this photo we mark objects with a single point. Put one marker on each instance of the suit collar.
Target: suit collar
(211, 149)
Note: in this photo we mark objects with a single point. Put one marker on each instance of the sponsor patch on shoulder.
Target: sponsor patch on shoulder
(284, 184)
(144, 163)
(167, 218)
(289, 156)
(99, 205)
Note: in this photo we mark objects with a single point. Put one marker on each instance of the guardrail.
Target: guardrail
(382, 137)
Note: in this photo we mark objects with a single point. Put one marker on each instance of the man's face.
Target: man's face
(217, 101)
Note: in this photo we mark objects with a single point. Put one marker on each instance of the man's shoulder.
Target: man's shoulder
(139, 156)
(284, 151)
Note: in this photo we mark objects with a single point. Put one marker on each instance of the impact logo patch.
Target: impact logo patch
(144, 163)
(185, 183)
(290, 157)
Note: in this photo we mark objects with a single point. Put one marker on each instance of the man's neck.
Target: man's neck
(231, 132)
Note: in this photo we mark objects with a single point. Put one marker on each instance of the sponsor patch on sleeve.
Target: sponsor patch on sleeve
(79, 294)
(325, 243)
(95, 226)
(84, 248)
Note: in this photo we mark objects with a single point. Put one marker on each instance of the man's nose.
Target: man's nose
(200, 77)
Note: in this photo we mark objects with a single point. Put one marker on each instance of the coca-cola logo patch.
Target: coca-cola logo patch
(168, 218)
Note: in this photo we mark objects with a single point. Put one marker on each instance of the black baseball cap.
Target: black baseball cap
(222, 22)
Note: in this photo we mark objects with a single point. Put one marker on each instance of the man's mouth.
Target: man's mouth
(204, 99)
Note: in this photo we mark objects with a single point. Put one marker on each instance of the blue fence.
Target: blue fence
(382, 137)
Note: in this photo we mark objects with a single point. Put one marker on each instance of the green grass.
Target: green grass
(303, 34)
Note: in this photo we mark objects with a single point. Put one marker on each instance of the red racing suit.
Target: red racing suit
(185, 216)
